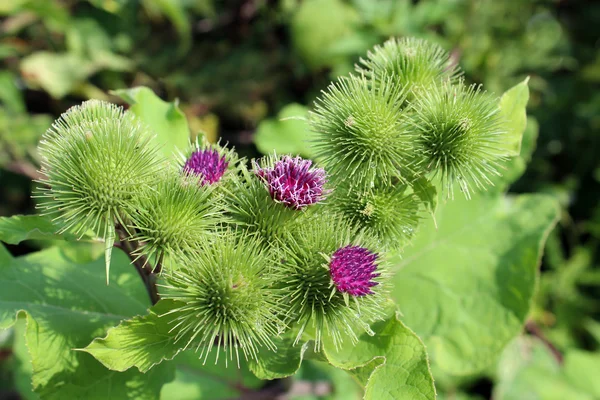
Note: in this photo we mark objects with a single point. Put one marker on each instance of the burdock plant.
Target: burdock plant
(283, 250)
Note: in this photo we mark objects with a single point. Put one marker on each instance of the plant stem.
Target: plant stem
(141, 263)
(535, 330)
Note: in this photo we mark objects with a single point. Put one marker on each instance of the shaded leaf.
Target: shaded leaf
(282, 363)
(67, 305)
(15, 229)
(195, 380)
(528, 370)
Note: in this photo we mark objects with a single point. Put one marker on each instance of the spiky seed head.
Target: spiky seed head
(209, 161)
(311, 292)
(353, 270)
(175, 215)
(293, 182)
(460, 131)
(388, 212)
(96, 157)
(226, 299)
(413, 63)
(361, 132)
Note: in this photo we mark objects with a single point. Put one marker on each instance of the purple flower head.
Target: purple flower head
(352, 269)
(293, 182)
(207, 163)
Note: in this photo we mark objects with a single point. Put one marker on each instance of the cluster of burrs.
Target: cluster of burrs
(251, 253)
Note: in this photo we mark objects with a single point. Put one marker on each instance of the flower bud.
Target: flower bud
(413, 64)
(460, 135)
(175, 215)
(226, 299)
(389, 213)
(332, 279)
(96, 157)
(361, 132)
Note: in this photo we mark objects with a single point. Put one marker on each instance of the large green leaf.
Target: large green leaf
(529, 370)
(15, 229)
(166, 119)
(392, 364)
(143, 341)
(67, 305)
(56, 73)
(466, 287)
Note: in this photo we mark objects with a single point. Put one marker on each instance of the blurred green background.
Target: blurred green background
(238, 66)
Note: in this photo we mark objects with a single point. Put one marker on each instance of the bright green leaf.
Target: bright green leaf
(466, 287)
(513, 168)
(581, 369)
(288, 133)
(166, 119)
(66, 306)
(143, 341)
(282, 363)
(319, 24)
(401, 368)
(56, 73)
(15, 229)
(513, 104)
(529, 370)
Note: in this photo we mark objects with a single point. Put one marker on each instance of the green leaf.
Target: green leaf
(56, 73)
(581, 369)
(426, 192)
(282, 363)
(23, 369)
(67, 305)
(394, 359)
(513, 168)
(10, 95)
(288, 133)
(143, 341)
(15, 229)
(513, 104)
(529, 370)
(197, 381)
(317, 26)
(166, 119)
(466, 287)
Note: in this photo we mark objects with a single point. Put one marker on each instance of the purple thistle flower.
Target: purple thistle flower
(293, 182)
(207, 163)
(352, 270)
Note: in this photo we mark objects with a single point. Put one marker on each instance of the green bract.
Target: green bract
(389, 213)
(411, 63)
(361, 134)
(225, 298)
(312, 301)
(460, 133)
(175, 216)
(95, 157)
